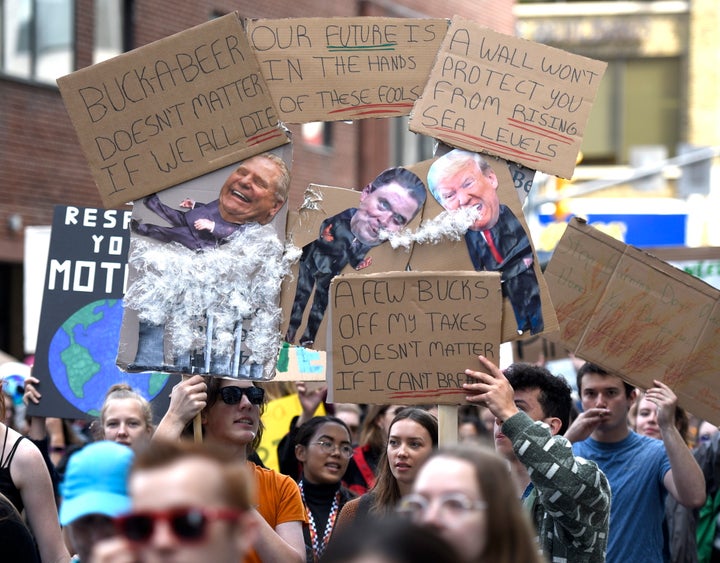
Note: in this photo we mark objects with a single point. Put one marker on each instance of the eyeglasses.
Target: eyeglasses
(346, 450)
(450, 505)
(232, 395)
(187, 524)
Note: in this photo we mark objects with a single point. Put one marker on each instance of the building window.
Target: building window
(408, 147)
(38, 39)
(638, 103)
(111, 33)
(317, 134)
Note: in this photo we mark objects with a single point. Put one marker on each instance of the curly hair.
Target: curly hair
(555, 395)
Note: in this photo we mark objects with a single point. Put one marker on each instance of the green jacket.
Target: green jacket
(570, 498)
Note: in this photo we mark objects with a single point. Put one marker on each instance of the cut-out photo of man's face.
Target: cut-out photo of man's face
(497, 239)
(346, 241)
(253, 192)
(388, 204)
(461, 180)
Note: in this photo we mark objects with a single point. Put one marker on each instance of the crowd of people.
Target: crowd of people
(532, 481)
(615, 481)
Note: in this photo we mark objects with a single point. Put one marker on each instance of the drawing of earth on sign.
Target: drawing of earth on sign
(82, 356)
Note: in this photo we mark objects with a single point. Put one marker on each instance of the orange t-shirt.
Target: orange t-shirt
(278, 501)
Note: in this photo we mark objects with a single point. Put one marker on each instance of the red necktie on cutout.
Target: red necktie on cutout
(493, 249)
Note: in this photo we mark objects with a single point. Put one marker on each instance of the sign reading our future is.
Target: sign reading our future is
(407, 337)
(331, 69)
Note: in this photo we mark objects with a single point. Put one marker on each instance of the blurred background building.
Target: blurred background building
(657, 105)
(654, 131)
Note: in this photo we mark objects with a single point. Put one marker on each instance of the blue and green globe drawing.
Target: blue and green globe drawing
(82, 356)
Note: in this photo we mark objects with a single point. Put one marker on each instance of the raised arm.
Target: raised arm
(685, 480)
(31, 476)
(572, 488)
(187, 399)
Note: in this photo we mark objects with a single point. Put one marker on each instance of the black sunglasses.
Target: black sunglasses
(187, 524)
(232, 395)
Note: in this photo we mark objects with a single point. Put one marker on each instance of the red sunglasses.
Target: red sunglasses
(187, 524)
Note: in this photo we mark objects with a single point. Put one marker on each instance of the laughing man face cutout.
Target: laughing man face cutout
(250, 193)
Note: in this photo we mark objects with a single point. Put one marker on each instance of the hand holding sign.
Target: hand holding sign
(491, 389)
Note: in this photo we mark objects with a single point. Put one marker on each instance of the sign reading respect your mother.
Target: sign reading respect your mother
(408, 337)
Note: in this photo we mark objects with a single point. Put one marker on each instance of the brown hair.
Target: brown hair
(371, 434)
(236, 484)
(214, 384)
(386, 493)
(511, 537)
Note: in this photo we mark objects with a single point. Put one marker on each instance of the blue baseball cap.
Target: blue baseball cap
(96, 481)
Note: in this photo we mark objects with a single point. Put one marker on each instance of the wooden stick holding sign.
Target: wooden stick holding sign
(447, 425)
(197, 421)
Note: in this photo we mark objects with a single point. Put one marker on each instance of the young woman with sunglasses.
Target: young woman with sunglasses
(323, 446)
(230, 413)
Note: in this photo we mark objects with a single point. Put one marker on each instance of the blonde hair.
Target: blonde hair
(124, 391)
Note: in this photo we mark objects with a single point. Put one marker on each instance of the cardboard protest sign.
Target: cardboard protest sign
(637, 316)
(495, 239)
(296, 363)
(339, 230)
(331, 69)
(408, 337)
(206, 265)
(499, 94)
(171, 110)
(81, 315)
